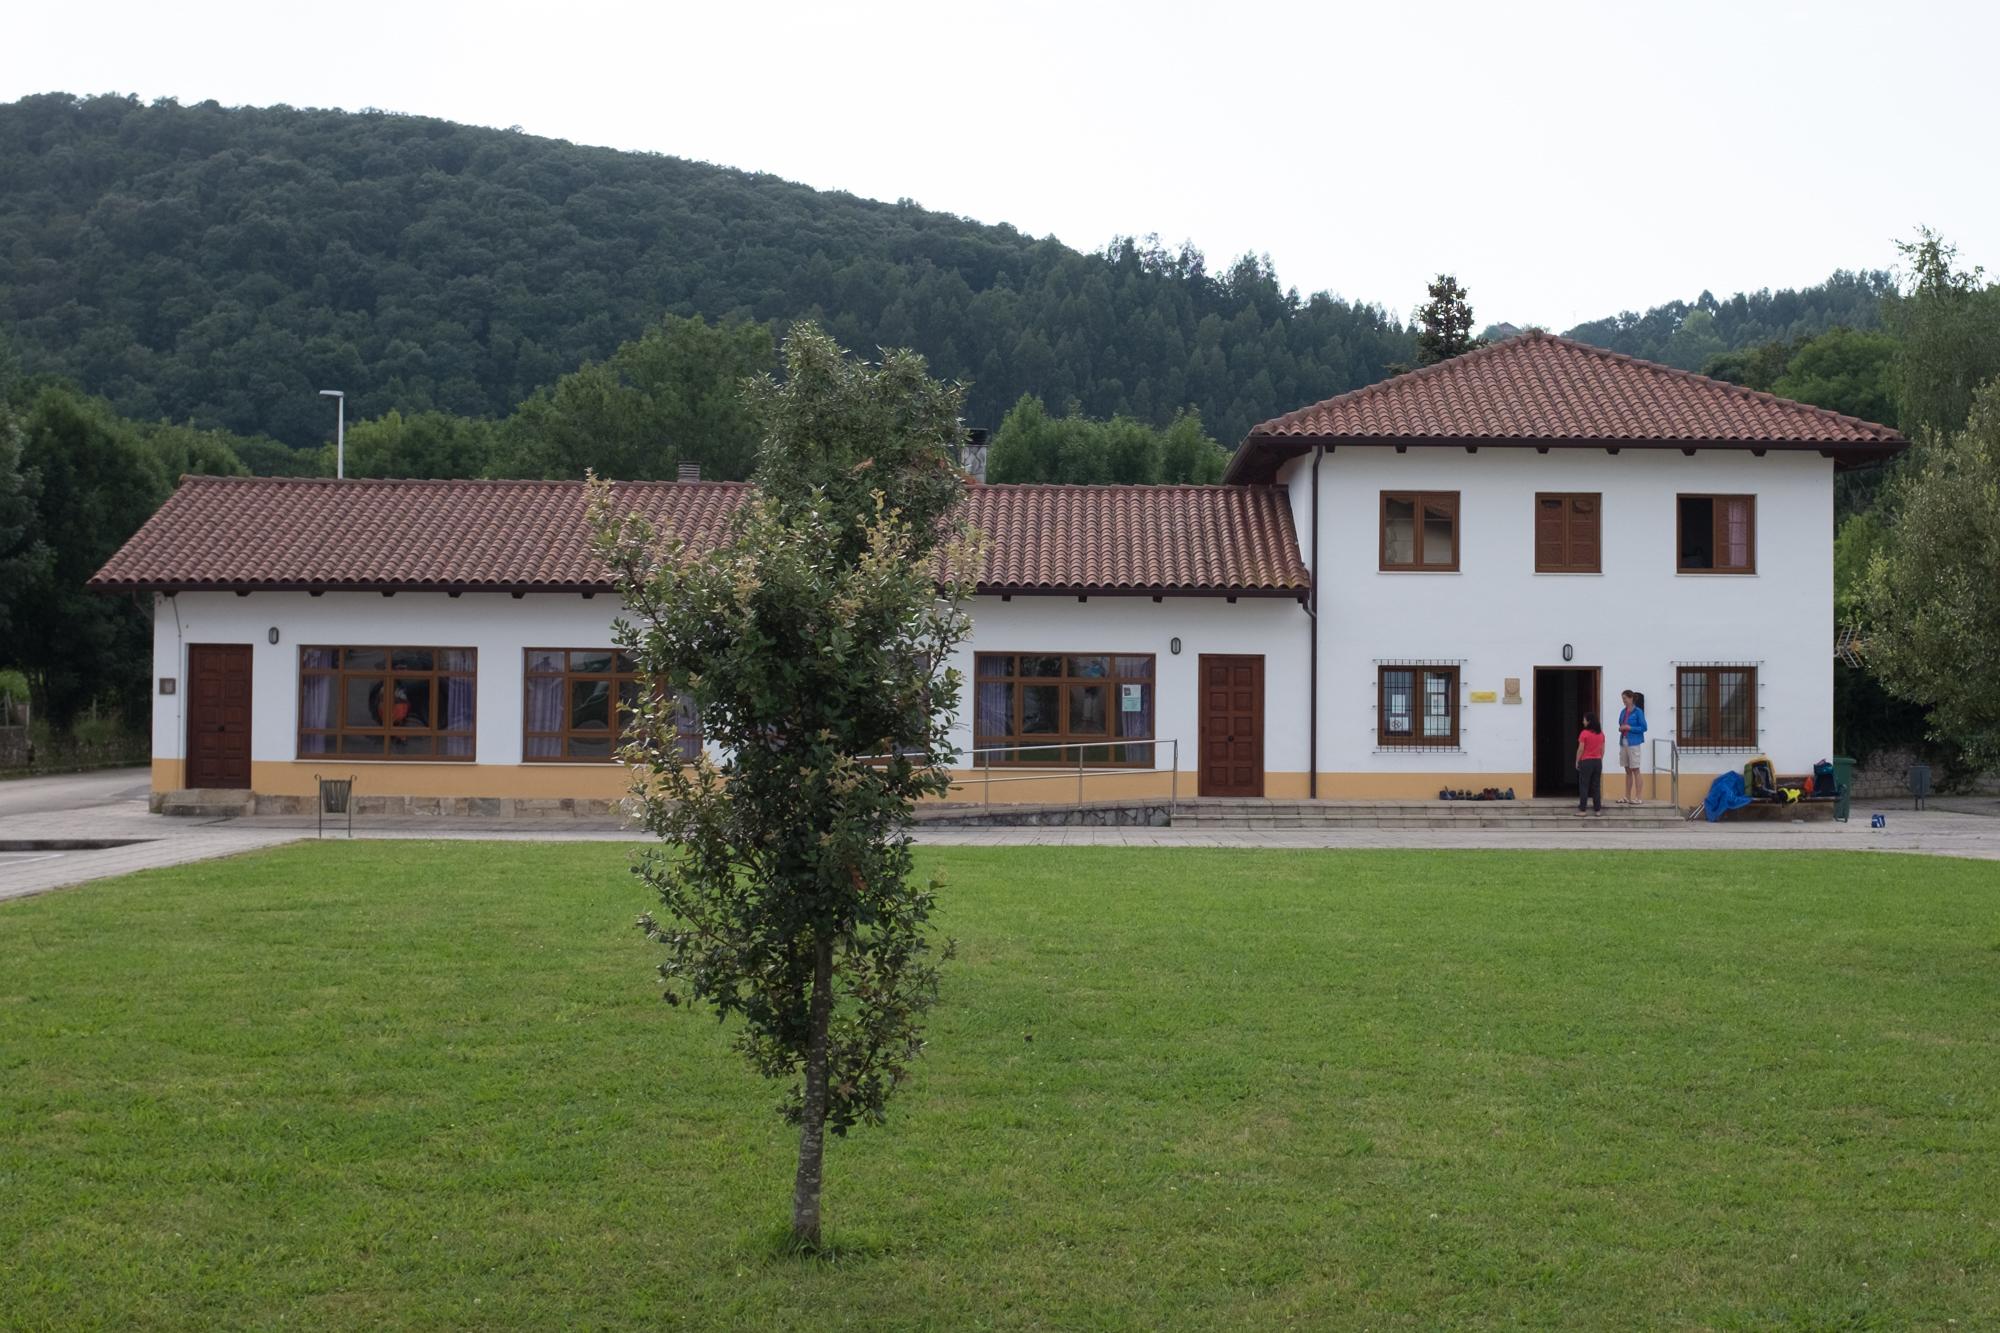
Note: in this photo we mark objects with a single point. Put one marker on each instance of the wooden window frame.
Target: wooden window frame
(1418, 499)
(1074, 744)
(342, 732)
(1715, 534)
(624, 670)
(1712, 698)
(1569, 565)
(1416, 740)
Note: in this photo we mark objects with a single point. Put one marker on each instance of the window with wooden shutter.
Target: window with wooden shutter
(1569, 533)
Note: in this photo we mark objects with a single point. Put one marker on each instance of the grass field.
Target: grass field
(430, 1085)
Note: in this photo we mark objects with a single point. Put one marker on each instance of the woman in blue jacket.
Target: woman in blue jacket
(1632, 743)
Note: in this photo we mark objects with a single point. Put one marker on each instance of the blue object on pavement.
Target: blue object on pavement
(1726, 793)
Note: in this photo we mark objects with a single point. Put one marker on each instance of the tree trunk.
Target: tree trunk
(812, 1124)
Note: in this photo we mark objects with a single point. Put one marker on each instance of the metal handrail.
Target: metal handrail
(1673, 765)
(987, 779)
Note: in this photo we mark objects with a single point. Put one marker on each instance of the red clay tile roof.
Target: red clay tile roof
(1138, 539)
(530, 536)
(1538, 389)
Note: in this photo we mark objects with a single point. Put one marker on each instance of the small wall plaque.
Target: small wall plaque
(1484, 696)
(1513, 695)
(166, 685)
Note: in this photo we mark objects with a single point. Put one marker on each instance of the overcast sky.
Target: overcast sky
(1566, 161)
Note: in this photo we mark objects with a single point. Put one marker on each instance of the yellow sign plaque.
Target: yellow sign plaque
(1484, 696)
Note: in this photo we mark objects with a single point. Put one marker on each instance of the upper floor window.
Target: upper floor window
(1420, 530)
(1082, 705)
(388, 703)
(581, 702)
(1417, 705)
(1568, 532)
(1718, 534)
(1716, 707)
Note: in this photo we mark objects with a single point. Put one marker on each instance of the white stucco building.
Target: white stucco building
(1418, 585)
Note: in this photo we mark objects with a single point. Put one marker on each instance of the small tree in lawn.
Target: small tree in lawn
(813, 643)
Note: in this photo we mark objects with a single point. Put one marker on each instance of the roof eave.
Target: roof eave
(1256, 459)
(1293, 591)
(111, 587)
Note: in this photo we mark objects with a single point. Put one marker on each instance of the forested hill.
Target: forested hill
(1691, 334)
(218, 265)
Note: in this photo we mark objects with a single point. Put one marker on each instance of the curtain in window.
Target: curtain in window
(457, 701)
(316, 710)
(545, 713)
(316, 707)
(995, 709)
(687, 728)
(1735, 533)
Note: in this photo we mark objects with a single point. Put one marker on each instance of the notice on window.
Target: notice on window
(1399, 723)
(1131, 698)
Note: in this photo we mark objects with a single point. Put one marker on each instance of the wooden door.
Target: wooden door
(1562, 696)
(218, 716)
(1232, 726)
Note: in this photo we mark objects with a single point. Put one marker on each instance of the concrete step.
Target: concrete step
(1540, 821)
(203, 803)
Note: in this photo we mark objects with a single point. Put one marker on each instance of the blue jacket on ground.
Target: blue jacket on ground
(1726, 793)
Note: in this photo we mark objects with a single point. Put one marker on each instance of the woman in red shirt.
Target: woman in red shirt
(1590, 765)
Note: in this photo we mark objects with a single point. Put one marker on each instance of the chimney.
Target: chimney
(972, 454)
(689, 471)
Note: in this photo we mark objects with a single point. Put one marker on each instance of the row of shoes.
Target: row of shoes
(1486, 794)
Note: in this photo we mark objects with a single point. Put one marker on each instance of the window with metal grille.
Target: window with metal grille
(1716, 707)
(1417, 705)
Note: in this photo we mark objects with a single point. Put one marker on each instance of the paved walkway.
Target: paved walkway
(1933, 832)
(112, 806)
(106, 806)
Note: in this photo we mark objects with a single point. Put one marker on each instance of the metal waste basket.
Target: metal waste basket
(1920, 783)
(1843, 787)
(336, 797)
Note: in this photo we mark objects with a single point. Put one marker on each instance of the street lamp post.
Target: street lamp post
(339, 430)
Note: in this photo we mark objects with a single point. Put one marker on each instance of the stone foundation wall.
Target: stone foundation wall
(1886, 774)
(477, 807)
(1129, 814)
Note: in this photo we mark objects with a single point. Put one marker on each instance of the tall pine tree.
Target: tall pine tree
(1444, 323)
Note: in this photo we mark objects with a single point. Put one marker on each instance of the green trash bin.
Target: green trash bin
(1843, 786)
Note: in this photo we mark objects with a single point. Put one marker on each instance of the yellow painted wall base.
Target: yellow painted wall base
(1016, 787)
(518, 781)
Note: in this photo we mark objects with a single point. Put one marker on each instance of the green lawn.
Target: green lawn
(350, 1085)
